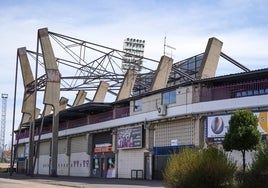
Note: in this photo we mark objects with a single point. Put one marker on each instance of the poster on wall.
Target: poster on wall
(130, 137)
(218, 125)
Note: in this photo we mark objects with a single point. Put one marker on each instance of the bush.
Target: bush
(199, 168)
(257, 176)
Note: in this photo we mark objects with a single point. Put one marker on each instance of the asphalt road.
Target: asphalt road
(21, 181)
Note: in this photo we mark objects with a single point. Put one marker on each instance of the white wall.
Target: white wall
(80, 164)
(236, 156)
(43, 164)
(63, 165)
(130, 159)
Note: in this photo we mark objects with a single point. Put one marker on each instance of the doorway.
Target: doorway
(147, 166)
(104, 166)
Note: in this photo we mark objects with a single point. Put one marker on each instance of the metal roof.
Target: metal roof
(78, 112)
(237, 77)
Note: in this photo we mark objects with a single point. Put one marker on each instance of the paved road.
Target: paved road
(21, 181)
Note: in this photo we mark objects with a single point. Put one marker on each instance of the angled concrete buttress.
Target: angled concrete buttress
(37, 112)
(27, 75)
(28, 105)
(101, 92)
(63, 103)
(52, 93)
(80, 98)
(47, 110)
(26, 117)
(211, 59)
(127, 85)
(162, 73)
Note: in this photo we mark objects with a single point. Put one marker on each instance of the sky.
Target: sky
(242, 26)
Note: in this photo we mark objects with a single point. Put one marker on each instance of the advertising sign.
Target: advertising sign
(100, 148)
(218, 125)
(130, 137)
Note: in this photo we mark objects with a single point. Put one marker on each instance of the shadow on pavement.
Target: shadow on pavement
(85, 180)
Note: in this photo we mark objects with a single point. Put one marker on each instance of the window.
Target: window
(244, 93)
(261, 91)
(169, 97)
(137, 105)
(250, 92)
(238, 94)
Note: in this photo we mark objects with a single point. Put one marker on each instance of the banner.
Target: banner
(218, 125)
(130, 137)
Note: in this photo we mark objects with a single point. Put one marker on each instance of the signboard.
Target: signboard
(130, 137)
(174, 142)
(218, 125)
(100, 148)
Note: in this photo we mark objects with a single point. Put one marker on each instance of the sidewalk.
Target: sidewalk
(85, 181)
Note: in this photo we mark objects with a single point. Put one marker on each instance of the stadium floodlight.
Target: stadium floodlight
(132, 58)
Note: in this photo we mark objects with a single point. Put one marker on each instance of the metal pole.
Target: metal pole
(54, 149)
(31, 147)
(12, 159)
(35, 90)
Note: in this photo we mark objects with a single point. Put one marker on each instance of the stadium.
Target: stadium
(150, 115)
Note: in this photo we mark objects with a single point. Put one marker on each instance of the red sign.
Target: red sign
(103, 149)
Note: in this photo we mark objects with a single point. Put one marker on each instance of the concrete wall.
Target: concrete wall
(184, 95)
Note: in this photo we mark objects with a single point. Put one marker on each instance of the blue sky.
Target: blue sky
(242, 25)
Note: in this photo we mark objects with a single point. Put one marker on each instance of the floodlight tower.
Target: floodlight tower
(134, 49)
(3, 125)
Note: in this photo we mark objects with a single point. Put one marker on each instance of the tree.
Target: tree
(243, 134)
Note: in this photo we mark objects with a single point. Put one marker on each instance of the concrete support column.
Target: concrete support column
(80, 98)
(52, 93)
(101, 92)
(149, 144)
(211, 59)
(115, 150)
(162, 73)
(63, 103)
(127, 85)
(28, 105)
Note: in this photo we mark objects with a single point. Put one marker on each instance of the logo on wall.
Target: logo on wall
(263, 116)
(217, 125)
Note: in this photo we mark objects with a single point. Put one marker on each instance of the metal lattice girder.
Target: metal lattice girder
(3, 125)
(82, 72)
(183, 74)
(102, 64)
(234, 62)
